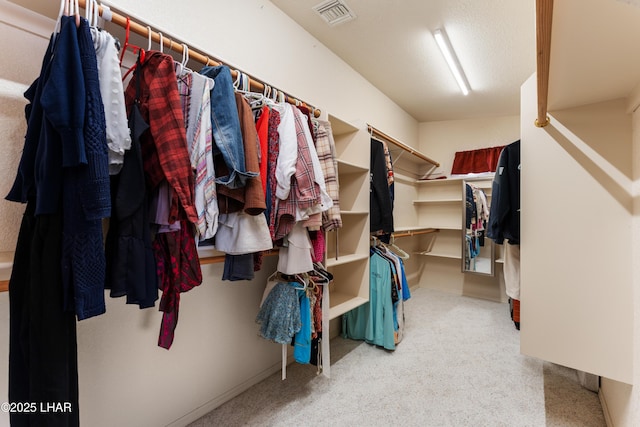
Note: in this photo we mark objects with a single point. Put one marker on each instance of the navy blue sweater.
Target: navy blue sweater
(504, 217)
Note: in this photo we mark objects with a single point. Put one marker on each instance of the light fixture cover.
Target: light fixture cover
(452, 60)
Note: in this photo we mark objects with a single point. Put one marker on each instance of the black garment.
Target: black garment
(470, 207)
(504, 220)
(380, 204)
(131, 265)
(43, 363)
(238, 267)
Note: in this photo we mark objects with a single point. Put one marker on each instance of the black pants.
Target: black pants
(43, 361)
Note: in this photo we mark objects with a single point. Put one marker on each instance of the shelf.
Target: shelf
(347, 168)
(343, 302)
(345, 259)
(458, 178)
(354, 212)
(443, 200)
(340, 127)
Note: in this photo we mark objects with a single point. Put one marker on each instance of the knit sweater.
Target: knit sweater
(86, 196)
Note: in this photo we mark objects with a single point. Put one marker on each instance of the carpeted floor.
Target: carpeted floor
(459, 364)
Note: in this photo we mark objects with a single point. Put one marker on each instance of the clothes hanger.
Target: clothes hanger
(243, 86)
(183, 64)
(74, 9)
(64, 6)
(91, 13)
(396, 250)
(88, 11)
(321, 270)
(135, 49)
(148, 38)
(67, 8)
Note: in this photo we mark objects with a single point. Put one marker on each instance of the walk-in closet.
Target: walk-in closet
(277, 212)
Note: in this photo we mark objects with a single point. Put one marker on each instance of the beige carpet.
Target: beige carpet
(458, 365)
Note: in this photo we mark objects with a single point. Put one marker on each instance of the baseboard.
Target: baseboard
(225, 397)
(605, 409)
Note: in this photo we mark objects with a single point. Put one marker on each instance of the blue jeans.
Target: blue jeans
(226, 127)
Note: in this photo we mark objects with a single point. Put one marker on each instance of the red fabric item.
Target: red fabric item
(164, 147)
(476, 161)
(272, 159)
(516, 310)
(178, 269)
(262, 126)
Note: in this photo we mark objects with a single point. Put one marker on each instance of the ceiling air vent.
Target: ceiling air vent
(334, 12)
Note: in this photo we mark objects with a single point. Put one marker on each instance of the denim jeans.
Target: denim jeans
(226, 127)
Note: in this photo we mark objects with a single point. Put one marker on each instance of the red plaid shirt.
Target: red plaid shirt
(164, 147)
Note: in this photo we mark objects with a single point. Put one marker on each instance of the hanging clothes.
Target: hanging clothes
(228, 150)
(86, 198)
(112, 92)
(131, 266)
(43, 365)
(279, 316)
(195, 99)
(373, 321)
(504, 223)
(326, 149)
(380, 203)
(381, 320)
(166, 158)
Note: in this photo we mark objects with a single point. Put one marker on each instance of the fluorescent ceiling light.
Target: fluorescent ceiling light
(452, 60)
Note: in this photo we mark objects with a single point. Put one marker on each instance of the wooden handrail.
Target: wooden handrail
(544, 15)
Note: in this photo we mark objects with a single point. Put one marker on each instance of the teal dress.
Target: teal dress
(373, 321)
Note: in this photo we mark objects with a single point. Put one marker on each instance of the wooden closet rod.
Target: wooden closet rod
(255, 84)
(376, 132)
(544, 15)
(4, 284)
(415, 232)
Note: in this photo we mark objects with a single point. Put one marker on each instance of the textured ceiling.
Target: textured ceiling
(595, 54)
(391, 44)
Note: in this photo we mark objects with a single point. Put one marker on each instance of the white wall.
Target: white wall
(576, 237)
(258, 38)
(125, 379)
(621, 401)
